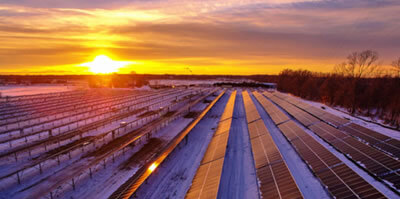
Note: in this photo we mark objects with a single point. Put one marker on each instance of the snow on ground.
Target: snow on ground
(17, 90)
(110, 180)
(174, 176)
(386, 131)
(239, 178)
(143, 88)
(308, 184)
(105, 182)
(180, 82)
(367, 177)
(64, 165)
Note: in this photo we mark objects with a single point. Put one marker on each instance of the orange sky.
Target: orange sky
(203, 37)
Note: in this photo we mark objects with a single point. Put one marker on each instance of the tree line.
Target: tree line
(360, 84)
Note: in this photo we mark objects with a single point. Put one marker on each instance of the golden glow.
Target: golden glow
(152, 167)
(168, 37)
(103, 64)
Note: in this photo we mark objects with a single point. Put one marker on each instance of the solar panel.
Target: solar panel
(303, 105)
(375, 139)
(257, 128)
(323, 115)
(340, 180)
(228, 112)
(314, 111)
(305, 118)
(275, 179)
(371, 159)
(333, 119)
(276, 115)
(216, 149)
(223, 126)
(207, 179)
(251, 110)
(327, 132)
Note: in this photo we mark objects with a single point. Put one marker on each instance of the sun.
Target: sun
(104, 65)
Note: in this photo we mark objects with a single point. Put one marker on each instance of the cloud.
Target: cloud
(262, 35)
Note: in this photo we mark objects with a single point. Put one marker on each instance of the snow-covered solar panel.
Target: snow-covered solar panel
(207, 179)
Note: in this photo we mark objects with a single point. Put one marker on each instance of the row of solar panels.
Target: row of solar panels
(275, 179)
(340, 180)
(379, 164)
(373, 138)
(321, 114)
(207, 179)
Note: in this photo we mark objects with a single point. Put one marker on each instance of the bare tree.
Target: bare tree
(396, 67)
(359, 65)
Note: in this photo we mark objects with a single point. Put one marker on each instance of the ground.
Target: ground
(173, 177)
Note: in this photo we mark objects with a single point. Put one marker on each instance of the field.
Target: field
(193, 142)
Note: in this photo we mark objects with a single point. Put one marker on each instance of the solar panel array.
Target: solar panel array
(376, 162)
(206, 181)
(276, 115)
(381, 165)
(274, 176)
(303, 117)
(375, 139)
(340, 180)
(322, 115)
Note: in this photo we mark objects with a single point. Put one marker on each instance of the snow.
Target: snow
(239, 178)
(308, 184)
(174, 176)
(143, 88)
(105, 182)
(54, 170)
(386, 131)
(17, 90)
(363, 174)
(181, 82)
(109, 180)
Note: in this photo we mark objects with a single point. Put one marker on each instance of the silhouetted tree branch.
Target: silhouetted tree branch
(396, 67)
(359, 65)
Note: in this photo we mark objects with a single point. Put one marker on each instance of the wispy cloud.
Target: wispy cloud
(247, 36)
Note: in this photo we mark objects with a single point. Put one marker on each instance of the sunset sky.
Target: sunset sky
(203, 37)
